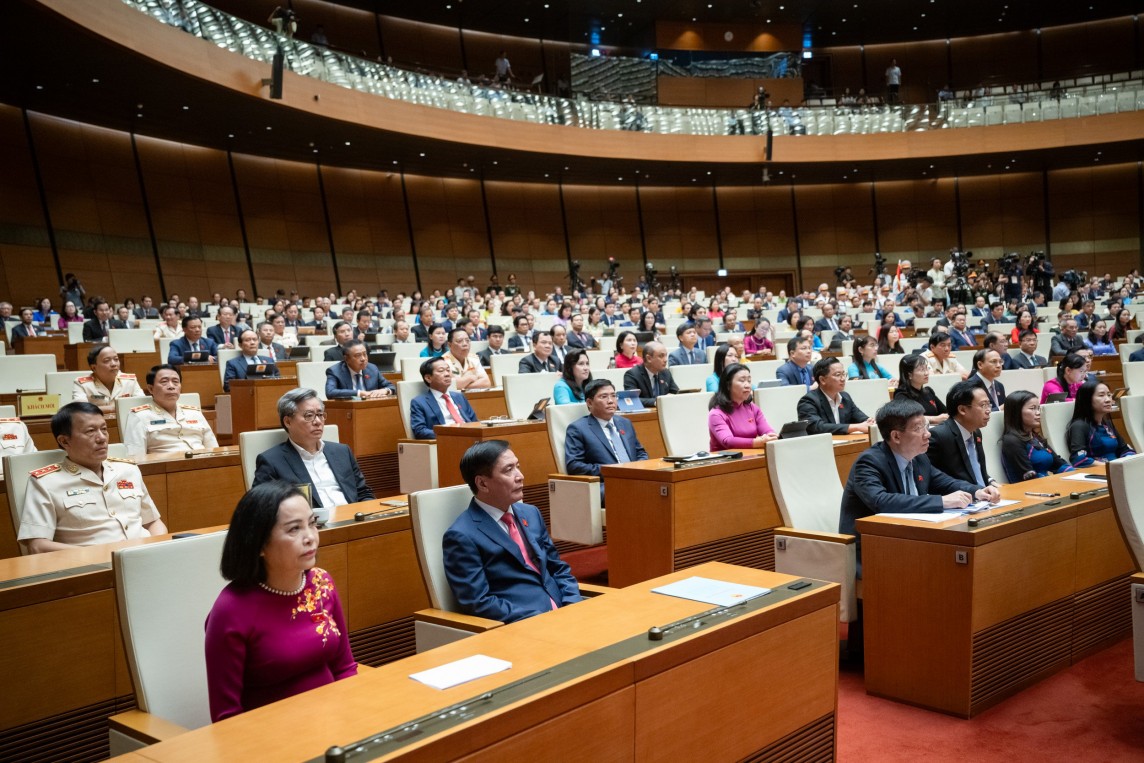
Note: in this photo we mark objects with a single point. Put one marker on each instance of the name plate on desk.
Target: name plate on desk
(37, 405)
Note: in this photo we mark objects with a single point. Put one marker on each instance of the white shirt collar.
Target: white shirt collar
(305, 454)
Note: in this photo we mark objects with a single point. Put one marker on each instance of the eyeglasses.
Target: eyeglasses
(311, 416)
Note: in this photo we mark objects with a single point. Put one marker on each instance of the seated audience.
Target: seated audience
(343, 333)
(26, 327)
(1098, 340)
(687, 353)
(601, 437)
(955, 445)
(88, 498)
(986, 372)
(576, 375)
(1068, 340)
(940, 356)
(865, 361)
(99, 327)
(521, 340)
(467, 370)
(192, 346)
(733, 419)
(761, 339)
(578, 335)
(651, 377)
(913, 378)
(627, 350)
(1000, 343)
(960, 337)
(726, 355)
(496, 345)
(560, 346)
(890, 340)
(1092, 435)
(258, 649)
(1028, 357)
(356, 377)
(438, 342)
(267, 345)
(164, 425)
(827, 407)
(796, 369)
(15, 440)
(437, 405)
(106, 383)
(498, 557)
(248, 358)
(1072, 371)
(225, 333)
(1024, 453)
(540, 360)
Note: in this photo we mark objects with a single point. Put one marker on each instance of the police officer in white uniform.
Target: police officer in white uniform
(14, 440)
(106, 384)
(164, 426)
(87, 498)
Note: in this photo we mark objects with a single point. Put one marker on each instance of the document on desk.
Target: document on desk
(943, 516)
(718, 592)
(462, 671)
(1085, 477)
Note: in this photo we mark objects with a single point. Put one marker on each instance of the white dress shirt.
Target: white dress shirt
(329, 491)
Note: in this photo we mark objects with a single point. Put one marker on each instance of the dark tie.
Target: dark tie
(910, 487)
(973, 463)
(617, 444)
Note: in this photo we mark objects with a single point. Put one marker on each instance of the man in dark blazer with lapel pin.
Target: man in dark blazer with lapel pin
(951, 441)
(828, 408)
(238, 367)
(1028, 357)
(329, 468)
(429, 409)
(601, 437)
(498, 556)
(651, 377)
(355, 376)
(96, 329)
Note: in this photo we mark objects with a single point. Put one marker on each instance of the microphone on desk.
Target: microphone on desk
(336, 754)
(361, 516)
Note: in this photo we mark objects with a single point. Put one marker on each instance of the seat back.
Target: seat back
(223, 356)
(1028, 379)
(504, 364)
(132, 340)
(805, 504)
(557, 420)
(991, 444)
(75, 332)
(763, 369)
(941, 384)
(312, 375)
(869, 394)
(683, 422)
(693, 376)
(406, 391)
(1132, 409)
(61, 383)
(779, 404)
(123, 406)
(614, 375)
(411, 368)
(1055, 419)
(7, 411)
(164, 592)
(431, 513)
(24, 372)
(599, 359)
(1125, 476)
(250, 444)
(1134, 377)
(522, 391)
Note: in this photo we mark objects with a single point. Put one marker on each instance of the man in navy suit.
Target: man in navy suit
(601, 437)
(953, 441)
(651, 377)
(26, 327)
(796, 370)
(226, 333)
(96, 330)
(997, 341)
(987, 367)
(329, 468)
(1028, 357)
(521, 341)
(192, 346)
(355, 376)
(896, 477)
(828, 408)
(432, 407)
(237, 368)
(827, 322)
(687, 353)
(266, 344)
(498, 557)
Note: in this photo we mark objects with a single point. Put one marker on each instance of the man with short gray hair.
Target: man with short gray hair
(328, 469)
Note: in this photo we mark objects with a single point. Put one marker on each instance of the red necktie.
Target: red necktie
(452, 407)
(514, 533)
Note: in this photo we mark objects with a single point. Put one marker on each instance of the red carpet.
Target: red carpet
(1093, 711)
(589, 565)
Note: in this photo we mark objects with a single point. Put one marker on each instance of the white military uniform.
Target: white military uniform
(163, 331)
(69, 503)
(91, 390)
(287, 339)
(471, 364)
(150, 429)
(14, 440)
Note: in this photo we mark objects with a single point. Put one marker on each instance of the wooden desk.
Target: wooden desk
(40, 427)
(371, 428)
(75, 355)
(662, 519)
(599, 691)
(140, 364)
(1033, 595)
(194, 492)
(52, 344)
(59, 697)
(202, 378)
(254, 403)
(487, 402)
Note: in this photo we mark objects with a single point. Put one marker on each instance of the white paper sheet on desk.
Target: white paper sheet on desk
(718, 592)
(454, 673)
(1085, 477)
(926, 517)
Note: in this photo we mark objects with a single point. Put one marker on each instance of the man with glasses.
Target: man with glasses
(955, 445)
(828, 408)
(355, 376)
(328, 468)
(601, 437)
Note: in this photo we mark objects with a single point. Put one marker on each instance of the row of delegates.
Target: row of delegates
(163, 425)
(87, 498)
(601, 437)
(355, 376)
(249, 358)
(438, 405)
(913, 384)
(1025, 454)
(106, 383)
(468, 373)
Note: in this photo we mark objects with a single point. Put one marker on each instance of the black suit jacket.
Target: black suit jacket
(335, 353)
(93, 331)
(530, 364)
(282, 462)
(637, 377)
(1022, 361)
(947, 452)
(815, 408)
(875, 487)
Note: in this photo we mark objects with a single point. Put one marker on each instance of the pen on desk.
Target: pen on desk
(1044, 495)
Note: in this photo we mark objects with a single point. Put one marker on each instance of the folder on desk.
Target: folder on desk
(718, 592)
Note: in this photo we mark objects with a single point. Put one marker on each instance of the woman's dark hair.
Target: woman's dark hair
(64, 309)
(620, 340)
(860, 344)
(433, 328)
(560, 310)
(1014, 423)
(570, 360)
(1082, 408)
(721, 357)
(802, 321)
(722, 397)
(884, 347)
(1120, 328)
(906, 368)
(93, 353)
(1092, 337)
(644, 319)
(250, 526)
(1071, 361)
(1032, 319)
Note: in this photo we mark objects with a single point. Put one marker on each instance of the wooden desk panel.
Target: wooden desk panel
(254, 402)
(52, 344)
(204, 379)
(40, 428)
(140, 364)
(487, 403)
(75, 356)
(1031, 595)
(8, 545)
(371, 428)
(194, 492)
